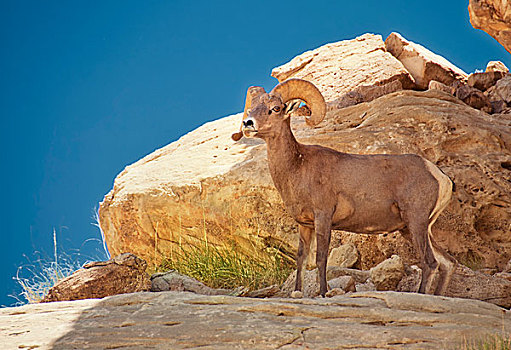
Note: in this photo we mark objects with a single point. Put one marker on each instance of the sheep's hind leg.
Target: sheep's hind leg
(446, 263)
(306, 234)
(418, 231)
(437, 265)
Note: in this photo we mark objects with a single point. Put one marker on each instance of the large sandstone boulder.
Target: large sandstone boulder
(494, 17)
(207, 187)
(423, 65)
(340, 67)
(201, 188)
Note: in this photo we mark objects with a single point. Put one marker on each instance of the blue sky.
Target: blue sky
(89, 87)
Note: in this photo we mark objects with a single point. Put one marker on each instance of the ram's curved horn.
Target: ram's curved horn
(252, 93)
(307, 92)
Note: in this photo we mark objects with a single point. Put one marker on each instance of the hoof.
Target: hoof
(296, 294)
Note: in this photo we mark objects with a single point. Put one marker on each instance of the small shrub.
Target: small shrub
(42, 275)
(226, 267)
(37, 277)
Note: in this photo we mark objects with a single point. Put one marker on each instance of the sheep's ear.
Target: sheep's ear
(290, 107)
(293, 109)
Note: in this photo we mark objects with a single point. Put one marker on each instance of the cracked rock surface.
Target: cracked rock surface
(177, 320)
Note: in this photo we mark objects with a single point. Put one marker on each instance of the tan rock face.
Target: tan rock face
(173, 320)
(343, 66)
(180, 194)
(205, 186)
(422, 64)
(494, 17)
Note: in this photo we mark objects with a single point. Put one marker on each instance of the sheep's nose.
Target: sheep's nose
(247, 123)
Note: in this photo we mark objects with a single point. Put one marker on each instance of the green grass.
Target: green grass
(472, 260)
(493, 342)
(227, 268)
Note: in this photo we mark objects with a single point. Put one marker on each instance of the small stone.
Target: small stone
(387, 274)
(411, 281)
(346, 283)
(496, 66)
(334, 292)
(310, 284)
(365, 287)
(345, 255)
(296, 294)
(174, 281)
(360, 276)
(267, 292)
(436, 85)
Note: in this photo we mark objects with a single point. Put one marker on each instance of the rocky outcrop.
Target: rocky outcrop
(125, 273)
(204, 186)
(422, 64)
(494, 17)
(457, 138)
(376, 320)
(340, 67)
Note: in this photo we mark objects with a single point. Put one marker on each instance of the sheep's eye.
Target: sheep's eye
(276, 109)
(269, 111)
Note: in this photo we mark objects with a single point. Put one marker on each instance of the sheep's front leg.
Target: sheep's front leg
(323, 227)
(303, 253)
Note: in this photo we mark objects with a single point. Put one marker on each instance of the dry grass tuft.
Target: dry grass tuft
(226, 267)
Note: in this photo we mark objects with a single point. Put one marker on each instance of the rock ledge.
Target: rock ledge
(177, 320)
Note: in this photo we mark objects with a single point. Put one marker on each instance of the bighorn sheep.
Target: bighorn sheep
(324, 189)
